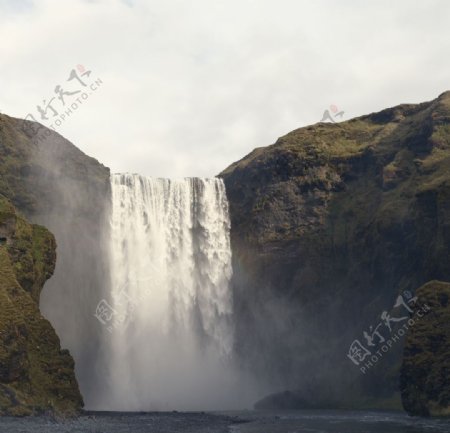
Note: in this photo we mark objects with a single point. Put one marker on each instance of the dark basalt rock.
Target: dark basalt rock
(54, 184)
(329, 225)
(425, 372)
(36, 376)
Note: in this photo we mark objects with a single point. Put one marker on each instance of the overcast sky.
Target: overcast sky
(190, 86)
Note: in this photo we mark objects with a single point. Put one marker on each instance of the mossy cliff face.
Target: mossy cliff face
(36, 376)
(329, 225)
(44, 173)
(425, 372)
(54, 184)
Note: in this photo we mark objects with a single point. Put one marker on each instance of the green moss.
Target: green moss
(334, 221)
(48, 180)
(426, 365)
(35, 374)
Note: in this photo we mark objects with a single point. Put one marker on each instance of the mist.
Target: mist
(157, 254)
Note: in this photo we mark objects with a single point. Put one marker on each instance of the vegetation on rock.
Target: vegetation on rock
(425, 372)
(329, 225)
(54, 184)
(36, 376)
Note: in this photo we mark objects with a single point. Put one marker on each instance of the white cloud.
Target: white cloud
(190, 87)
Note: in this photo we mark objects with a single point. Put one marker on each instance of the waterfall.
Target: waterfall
(170, 341)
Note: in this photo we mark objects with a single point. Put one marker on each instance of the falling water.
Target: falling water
(171, 345)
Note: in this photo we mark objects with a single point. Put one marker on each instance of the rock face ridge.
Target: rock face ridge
(36, 376)
(329, 226)
(54, 184)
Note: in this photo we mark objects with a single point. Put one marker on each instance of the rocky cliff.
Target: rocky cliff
(425, 372)
(54, 184)
(330, 225)
(36, 376)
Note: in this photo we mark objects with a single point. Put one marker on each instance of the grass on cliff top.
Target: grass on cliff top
(384, 132)
(331, 140)
(322, 140)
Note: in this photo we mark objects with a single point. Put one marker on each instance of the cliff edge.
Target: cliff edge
(329, 226)
(36, 376)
